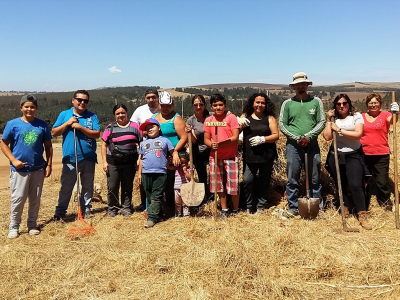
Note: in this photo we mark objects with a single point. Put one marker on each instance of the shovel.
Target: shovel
(308, 207)
(192, 193)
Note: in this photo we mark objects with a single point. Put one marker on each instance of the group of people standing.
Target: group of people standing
(154, 142)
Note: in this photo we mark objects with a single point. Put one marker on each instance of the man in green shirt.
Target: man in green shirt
(302, 119)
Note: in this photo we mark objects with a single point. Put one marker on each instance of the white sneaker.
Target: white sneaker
(34, 231)
(13, 234)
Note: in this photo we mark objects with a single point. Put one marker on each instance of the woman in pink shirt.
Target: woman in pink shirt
(376, 148)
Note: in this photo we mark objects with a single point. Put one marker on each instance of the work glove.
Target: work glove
(257, 140)
(303, 141)
(243, 122)
(394, 107)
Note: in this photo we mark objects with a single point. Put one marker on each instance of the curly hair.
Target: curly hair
(352, 109)
(269, 110)
(371, 96)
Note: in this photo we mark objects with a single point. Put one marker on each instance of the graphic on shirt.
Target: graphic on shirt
(312, 111)
(156, 146)
(30, 137)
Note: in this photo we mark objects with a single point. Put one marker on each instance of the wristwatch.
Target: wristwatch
(340, 130)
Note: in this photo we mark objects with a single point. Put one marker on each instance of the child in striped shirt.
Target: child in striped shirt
(182, 175)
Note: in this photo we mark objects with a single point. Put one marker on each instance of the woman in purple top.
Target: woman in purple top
(119, 153)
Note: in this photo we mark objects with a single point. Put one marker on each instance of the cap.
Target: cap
(148, 122)
(165, 98)
(28, 98)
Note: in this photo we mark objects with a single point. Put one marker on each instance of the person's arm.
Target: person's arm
(189, 129)
(321, 120)
(104, 156)
(48, 148)
(4, 145)
(355, 134)
(284, 121)
(140, 169)
(179, 125)
(93, 134)
(207, 139)
(232, 140)
(273, 126)
(327, 134)
(59, 130)
(187, 174)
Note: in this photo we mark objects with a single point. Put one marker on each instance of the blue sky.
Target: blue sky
(69, 45)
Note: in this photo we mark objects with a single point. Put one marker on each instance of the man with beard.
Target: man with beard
(302, 119)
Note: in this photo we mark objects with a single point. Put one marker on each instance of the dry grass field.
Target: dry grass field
(244, 257)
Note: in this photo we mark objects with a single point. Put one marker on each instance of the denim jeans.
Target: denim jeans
(68, 180)
(295, 160)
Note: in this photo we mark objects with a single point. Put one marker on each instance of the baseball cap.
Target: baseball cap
(148, 122)
(28, 98)
(165, 98)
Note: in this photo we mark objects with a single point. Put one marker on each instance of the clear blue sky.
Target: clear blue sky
(67, 45)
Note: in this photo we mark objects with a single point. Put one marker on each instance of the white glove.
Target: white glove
(257, 140)
(244, 122)
(394, 107)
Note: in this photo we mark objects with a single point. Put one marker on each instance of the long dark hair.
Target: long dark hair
(269, 105)
(206, 113)
(352, 109)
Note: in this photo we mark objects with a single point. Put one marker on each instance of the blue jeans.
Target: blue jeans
(295, 160)
(68, 180)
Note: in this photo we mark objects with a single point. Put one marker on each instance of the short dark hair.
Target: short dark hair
(216, 98)
(85, 92)
(352, 109)
(269, 105)
(151, 91)
(118, 106)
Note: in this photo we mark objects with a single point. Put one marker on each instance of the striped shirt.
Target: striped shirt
(126, 138)
(180, 177)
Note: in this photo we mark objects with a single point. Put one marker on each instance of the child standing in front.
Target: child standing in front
(182, 175)
(23, 142)
(226, 168)
(152, 172)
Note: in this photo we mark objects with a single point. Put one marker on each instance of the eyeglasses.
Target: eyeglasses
(86, 101)
(198, 105)
(342, 104)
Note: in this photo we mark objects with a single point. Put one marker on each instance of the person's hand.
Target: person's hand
(257, 140)
(334, 127)
(188, 128)
(105, 167)
(303, 141)
(72, 120)
(18, 164)
(330, 114)
(47, 172)
(214, 146)
(394, 107)
(243, 122)
(184, 168)
(77, 126)
(175, 159)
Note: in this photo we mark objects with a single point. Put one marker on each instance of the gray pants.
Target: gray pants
(25, 185)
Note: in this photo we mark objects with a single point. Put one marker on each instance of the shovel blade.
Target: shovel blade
(192, 193)
(308, 208)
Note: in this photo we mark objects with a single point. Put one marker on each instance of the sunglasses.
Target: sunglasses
(86, 101)
(198, 105)
(342, 104)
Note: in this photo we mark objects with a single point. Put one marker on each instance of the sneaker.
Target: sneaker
(57, 218)
(88, 215)
(126, 213)
(112, 214)
(149, 224)
(34, 231)
(260, 211)
(249, 211)
(224, 214)
(13, 234)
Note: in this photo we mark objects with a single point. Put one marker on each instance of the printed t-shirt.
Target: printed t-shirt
(375, 138)
(26, 142)
(155, 152)
(224, 133)
(345, 144)
(86, 146)
(143, 113)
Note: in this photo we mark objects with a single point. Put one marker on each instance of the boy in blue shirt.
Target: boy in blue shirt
(153, 168)
(87, 128)
(23, 142)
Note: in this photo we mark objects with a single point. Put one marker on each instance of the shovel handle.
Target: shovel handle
(215, 175)
(306, 171)
(396, 187)
(191, 156)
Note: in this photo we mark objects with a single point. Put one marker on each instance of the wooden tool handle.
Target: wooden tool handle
(396, 187)
(191, 156)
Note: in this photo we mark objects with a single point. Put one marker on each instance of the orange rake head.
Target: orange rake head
(81, 228)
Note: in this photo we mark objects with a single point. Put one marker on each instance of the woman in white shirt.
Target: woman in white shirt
(349, 125)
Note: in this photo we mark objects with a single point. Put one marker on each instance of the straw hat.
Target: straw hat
(300, 77)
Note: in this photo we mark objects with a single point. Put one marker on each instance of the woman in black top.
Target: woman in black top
(259, 149)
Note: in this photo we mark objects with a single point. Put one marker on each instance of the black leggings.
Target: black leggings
(352, 178)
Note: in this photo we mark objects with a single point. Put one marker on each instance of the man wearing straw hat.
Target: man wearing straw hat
(302, 119)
